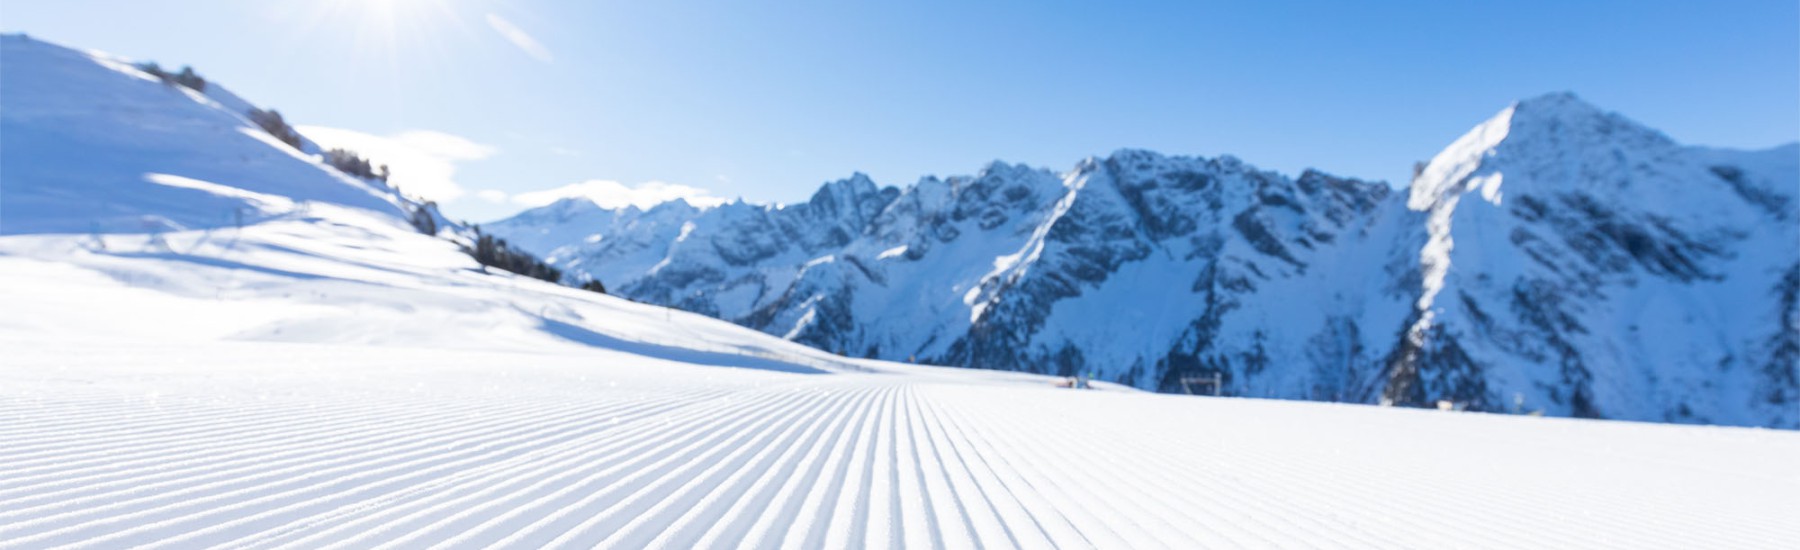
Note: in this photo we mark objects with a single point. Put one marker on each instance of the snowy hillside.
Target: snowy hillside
(1607, 271)
(172, 209)
(211, 340)
(65, 108)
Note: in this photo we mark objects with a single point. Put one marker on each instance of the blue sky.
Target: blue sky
(489, 103)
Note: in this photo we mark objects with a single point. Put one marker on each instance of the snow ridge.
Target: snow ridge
(1314, 287)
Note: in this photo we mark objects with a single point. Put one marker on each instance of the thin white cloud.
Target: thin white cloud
(444, 145)
(495, 196)
(421, 162)
(518, 37)
(612, 194)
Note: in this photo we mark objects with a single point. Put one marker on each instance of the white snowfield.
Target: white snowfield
(259, 445)
(284, 392)
(325, 377)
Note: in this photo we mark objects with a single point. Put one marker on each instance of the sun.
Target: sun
(383, 10)
(384, 30)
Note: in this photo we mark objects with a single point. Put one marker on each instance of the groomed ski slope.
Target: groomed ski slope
(263, 445)
(313, 373)
(341, 383)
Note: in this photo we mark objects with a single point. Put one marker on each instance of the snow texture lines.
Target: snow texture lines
(410, 449)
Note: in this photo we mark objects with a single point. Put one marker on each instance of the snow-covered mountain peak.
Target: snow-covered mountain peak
(1447, 175)
(1560, 282)
(1565, 116)
(857, 183)
(1553, 140)
(1553, 127)
(1563, 104)
(1133, 160)
(998, 168)
(569, 208)
(1579, 242)
(845, 194)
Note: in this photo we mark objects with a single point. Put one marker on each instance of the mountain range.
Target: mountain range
(216, 334)
(1557, 258)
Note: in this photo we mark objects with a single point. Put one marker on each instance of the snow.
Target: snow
(545, 235)
(1011, 267)
(49, 130)
(1302, 288)
(687, 229)
(253, 444)
(806, 319)
(1656, 346)
(1437, 190)
(330, 378)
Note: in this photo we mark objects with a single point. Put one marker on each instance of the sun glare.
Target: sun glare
(377, 30)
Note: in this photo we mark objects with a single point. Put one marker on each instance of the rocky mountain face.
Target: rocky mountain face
(1556, 258)
(1594, 267)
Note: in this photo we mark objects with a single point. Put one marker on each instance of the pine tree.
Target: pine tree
(423, 220)
(190, 79)
(271, 122)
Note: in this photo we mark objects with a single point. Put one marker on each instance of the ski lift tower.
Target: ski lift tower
(1215, 381)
